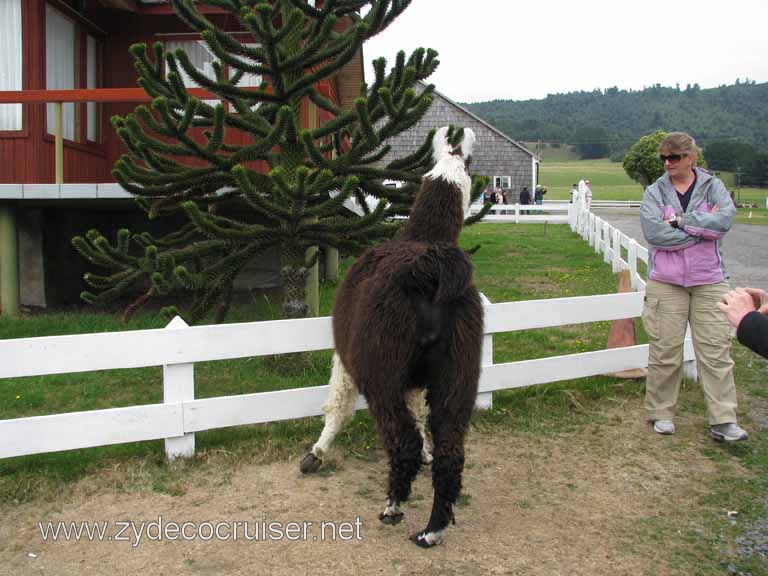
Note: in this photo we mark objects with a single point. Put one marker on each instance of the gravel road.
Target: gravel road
(745, 247)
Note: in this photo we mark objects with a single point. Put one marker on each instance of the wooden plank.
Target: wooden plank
(77, 191)
(87, 95)
(38, 434)
(523, 218)
(11, 192)
(41, 191)
(139, 348)
(572, 366)
(527, 314)
(112, 191)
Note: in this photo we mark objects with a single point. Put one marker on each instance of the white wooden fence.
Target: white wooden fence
(527, 213)
(178, 347)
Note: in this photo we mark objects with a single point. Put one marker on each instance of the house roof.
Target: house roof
(487, 125)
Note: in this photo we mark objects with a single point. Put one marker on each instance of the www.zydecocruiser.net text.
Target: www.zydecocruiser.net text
(262, 530)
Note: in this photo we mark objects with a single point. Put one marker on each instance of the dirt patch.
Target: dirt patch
(566, 504)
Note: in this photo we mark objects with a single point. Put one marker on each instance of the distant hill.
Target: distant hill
(738, 112)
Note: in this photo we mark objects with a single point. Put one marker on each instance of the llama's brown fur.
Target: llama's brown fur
(408, 316)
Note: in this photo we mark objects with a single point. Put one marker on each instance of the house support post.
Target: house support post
(331, 263)
(9, 261)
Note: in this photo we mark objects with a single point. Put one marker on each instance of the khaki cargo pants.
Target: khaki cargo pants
(667, 310)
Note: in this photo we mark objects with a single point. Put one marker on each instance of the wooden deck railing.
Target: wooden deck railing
(60, 97)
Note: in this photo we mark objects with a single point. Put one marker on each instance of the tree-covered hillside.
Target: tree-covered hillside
(619, 117)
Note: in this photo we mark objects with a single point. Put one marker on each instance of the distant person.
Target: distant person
(538, 194)
(525, 199)
(684, 216)
(747, 311)
(588, 194)
(574, 193)
(583, 201)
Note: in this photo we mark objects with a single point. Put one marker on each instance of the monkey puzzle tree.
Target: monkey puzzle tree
(285, 186)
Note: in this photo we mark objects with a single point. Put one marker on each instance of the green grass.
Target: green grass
(550, 153)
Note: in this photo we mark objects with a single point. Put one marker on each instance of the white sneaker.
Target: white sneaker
(665, 427)
(728, 432)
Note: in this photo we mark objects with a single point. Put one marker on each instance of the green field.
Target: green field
(610, 182)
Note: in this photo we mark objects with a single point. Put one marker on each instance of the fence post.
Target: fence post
(596, 231)
(571, 217)
(179, 386)
(632, 261)
(607, 254)
(517, 213)
(616, 250)
(484, 401)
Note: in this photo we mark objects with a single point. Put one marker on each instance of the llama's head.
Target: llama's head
(452, 162)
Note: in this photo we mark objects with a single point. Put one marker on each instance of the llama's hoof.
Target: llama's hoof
(310, 464)
(426, 539)
(391, 519)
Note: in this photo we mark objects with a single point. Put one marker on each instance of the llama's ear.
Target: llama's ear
(468, 143)
(440, 145)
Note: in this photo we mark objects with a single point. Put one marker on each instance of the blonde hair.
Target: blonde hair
(678, 143)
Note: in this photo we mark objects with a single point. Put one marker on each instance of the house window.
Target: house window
(248, 80)
(66, 69)
(92, 80)
(503, 182)
(202, 59)
(10, 61)
(60, 68)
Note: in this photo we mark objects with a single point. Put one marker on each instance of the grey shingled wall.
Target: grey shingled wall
(494, 155)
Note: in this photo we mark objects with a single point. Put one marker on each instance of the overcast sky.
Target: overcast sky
(522, 49)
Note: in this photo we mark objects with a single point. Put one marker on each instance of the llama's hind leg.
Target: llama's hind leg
(403, 443)
(417, 405)
(447, 468)
(450, 401)
(339, 408)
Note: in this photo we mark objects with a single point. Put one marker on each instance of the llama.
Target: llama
(408, 327)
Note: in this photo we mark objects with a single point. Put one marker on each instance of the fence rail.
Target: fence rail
(177, 348)
(527, 213)
(616, 203)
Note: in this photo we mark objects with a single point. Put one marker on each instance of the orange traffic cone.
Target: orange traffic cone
(623, 332)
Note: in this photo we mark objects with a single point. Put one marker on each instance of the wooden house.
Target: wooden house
(75, 52)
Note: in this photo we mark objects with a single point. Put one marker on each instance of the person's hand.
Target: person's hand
(737, 304)
(715, 209)
(760, 299)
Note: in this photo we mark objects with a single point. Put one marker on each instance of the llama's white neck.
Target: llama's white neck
(452, 169)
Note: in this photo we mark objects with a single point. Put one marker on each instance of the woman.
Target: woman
(684, 215)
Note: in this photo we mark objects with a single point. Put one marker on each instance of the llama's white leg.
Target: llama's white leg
(428, 539)
(339, 408)
(417, 405)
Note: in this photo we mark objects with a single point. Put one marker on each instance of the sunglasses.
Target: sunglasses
(671, 157)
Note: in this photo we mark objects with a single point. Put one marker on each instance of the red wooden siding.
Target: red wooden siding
(28, 156)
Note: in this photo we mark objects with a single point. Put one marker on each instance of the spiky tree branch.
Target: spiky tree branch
(282, 185)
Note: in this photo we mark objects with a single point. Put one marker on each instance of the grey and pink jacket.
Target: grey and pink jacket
(689, 255)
